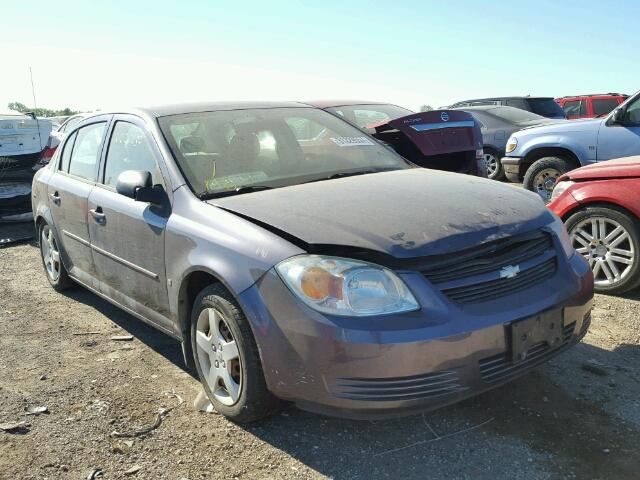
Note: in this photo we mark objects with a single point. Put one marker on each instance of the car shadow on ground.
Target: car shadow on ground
(544, 425)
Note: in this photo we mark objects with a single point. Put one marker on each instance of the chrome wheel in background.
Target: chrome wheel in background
(218, 356)
(544, 181)
(493, 165)
(608, 248)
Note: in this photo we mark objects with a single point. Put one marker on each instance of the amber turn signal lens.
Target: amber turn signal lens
(317, 284)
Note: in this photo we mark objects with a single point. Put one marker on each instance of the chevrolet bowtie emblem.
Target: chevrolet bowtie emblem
(509, 271)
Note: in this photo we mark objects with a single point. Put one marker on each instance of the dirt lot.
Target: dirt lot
(561, 421)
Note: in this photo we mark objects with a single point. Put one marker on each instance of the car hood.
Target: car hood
(563, 126)
(404, 213)
(628, 167)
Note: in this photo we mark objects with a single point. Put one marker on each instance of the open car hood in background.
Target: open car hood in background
(434, 133)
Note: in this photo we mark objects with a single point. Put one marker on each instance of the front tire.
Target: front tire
(542, 175)
(50, 254)
(609, 238)
(227, 359)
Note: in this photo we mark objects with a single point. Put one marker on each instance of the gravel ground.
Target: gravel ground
(561, 421)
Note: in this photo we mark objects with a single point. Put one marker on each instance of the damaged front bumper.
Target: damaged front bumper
(376, 367)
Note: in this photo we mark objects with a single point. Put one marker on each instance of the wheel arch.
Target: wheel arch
(540, 152)
(600, 203)
(192, 283)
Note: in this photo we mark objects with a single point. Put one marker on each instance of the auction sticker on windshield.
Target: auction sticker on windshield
(351, 141)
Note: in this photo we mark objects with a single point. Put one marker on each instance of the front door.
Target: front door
(127, 236)
(68, 190)
(621, 140)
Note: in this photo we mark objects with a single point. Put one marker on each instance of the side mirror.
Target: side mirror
(618, 116)
(138, 185)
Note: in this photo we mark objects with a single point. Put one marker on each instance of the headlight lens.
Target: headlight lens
(341, 286)
(561, 232)
(512, 143)
(559, 189)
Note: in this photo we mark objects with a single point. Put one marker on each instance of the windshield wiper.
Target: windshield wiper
(348, 174)
(235, 191)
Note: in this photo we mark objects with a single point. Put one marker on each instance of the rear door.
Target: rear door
(68, 189)
(128, 236)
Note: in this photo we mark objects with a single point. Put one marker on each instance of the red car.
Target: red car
(600, 206)
(590, 106)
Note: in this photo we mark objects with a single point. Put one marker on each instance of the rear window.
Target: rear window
(602, 106)
(364, 116)
(513, 115)
(547, 107)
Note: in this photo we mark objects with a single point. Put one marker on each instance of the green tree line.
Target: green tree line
(40, 112)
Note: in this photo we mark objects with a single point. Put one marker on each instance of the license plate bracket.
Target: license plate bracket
(544, 327)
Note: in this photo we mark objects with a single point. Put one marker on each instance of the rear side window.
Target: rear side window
(86, 151)
(66, 153)
(602, 106)
(70, 124)
(129, 149)
(575, 108)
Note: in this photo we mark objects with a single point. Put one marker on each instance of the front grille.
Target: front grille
(473, 275)
(500, 367)
(484, 291)
(398, 388)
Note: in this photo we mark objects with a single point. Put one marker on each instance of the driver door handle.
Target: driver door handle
(98, 215)
(55, 197)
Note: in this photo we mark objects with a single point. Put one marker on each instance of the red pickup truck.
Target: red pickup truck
(590, 106)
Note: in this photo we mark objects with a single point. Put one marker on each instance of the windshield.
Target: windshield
(547, 107)
(366, 116)
(514, 115)
(244, 150)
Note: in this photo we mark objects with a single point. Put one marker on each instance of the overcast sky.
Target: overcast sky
(87, 56)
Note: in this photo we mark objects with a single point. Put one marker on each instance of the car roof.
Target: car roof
(594, 95)
(197, 107)
(341, 103)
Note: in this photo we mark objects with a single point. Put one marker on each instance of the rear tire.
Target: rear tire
(542, 174)
(495, 170)
(227, 359)
(50, 254)
(613, 251)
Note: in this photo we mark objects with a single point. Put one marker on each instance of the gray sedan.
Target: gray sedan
(298, 259)
(497, 124)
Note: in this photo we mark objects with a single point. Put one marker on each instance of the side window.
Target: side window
(86, 151)
(575, 108)
(516, 103)
(602, 106)
(66, 153)
(129, 149)
(632, 115)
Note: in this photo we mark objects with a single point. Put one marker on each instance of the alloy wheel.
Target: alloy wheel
(492, 164)
(218, 356)
(544, 182)
(607, 246)
(50, 253)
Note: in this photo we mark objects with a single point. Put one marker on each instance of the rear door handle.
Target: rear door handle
(98, 215)
(55, 197)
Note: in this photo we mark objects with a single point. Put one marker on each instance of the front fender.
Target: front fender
(577, 146)
(204, 238)
(622, 192)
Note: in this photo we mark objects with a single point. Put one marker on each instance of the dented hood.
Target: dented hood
(403, 213)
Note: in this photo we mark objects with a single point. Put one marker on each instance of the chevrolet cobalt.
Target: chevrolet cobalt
(297, 259)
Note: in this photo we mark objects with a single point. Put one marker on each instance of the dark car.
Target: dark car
(544, 106)
(497, 124)
(296, 258)
(439, 139)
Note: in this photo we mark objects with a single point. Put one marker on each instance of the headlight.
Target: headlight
(561, 232)
(340, 286)
(512, 143)
(559, 189)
